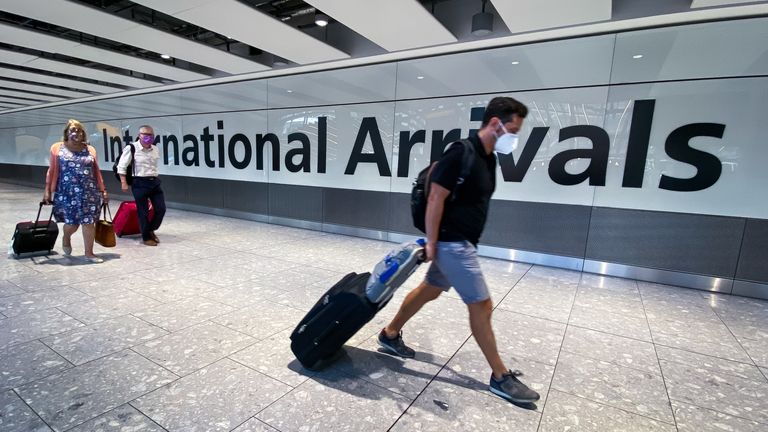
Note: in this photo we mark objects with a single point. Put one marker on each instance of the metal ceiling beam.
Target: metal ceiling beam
(102, 24)
(249, 26)
(393, 24)
(47, 79)
(14, 35)
(42, 89)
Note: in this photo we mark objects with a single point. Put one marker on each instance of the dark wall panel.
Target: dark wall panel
(536, 227)
(753, 260)
(364, 209)
(296, 202)
(700, 244)
(175, 188)
(400, 219)
(247, 196)
(204, 191)
(557, 229)
(27, 175)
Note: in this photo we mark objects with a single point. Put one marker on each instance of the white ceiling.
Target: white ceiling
(393, 24)
(14, 35)
(247, 25)
(55, 50)
(529, 15)
(95, 22)
(26, 60)
(41, 78)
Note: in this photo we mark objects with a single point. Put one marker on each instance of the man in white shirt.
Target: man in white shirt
(146, 182)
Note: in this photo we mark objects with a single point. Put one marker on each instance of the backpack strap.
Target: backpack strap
(133, 158)
(467, 160)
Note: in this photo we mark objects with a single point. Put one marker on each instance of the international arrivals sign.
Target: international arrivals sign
(218, 146)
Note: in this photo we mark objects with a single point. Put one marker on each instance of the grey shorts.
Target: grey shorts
(456, 266)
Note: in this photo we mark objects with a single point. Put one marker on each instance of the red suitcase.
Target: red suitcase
(126, 220)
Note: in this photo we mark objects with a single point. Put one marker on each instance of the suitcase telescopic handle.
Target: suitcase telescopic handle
(39, 209)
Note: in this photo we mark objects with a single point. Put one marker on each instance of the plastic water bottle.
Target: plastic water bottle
(393, 270)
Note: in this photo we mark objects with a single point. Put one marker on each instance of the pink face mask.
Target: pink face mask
(147, 139)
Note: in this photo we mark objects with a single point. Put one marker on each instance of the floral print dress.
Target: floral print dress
(77, 200)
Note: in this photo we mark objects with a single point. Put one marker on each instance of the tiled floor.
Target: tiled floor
(193, 336)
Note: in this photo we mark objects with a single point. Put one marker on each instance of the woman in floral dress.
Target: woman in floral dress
(75, 181)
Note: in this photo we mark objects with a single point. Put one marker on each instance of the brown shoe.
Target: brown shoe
(154, 237)
(150, 242)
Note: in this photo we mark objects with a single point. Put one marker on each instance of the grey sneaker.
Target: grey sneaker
(395, 346)
(510, 388)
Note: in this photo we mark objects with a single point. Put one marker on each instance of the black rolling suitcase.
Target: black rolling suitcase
(349, 305)
(37, 236)
(336, 317)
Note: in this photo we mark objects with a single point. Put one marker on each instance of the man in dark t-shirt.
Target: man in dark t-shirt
(453, 229)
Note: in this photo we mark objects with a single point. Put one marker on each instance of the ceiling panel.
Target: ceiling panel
(393, 24)
(37, 97)
(102, 24)
(42, 89)
(529, 15)
(26, 60)
(249, 26)
(47, 79)
(14, 35)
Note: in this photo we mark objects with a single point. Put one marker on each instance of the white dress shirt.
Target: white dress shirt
(146, 161)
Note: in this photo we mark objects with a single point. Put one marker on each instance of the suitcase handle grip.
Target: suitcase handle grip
(319, 339)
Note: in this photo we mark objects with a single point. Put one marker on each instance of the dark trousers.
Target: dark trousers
(146, 189)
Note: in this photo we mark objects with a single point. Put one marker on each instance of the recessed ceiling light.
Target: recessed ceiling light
(289, 91)
(419, 77)
(165, 56)
(515, 62)
(321, 19)
(637, 56)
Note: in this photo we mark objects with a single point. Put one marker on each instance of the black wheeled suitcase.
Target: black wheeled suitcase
(336, 317)
(349, 305)
(37, 236)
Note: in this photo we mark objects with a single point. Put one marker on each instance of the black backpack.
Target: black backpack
(128, 172)
(420, 191)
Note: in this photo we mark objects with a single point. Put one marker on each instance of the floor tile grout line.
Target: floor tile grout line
(124, 348)
(178, 377)
(736, 338)
(658, 360)
(583, 327)
(705, 355)
(721, 412)
(112, 409)
(254, 418)
(613, 407)
(307, 377)
(559, 352)
(612, 363)
(145, 415)
(32, 409)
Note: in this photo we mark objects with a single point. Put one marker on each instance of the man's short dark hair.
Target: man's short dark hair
(503, 108)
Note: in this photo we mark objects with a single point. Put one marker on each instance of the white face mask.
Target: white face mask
(506, 143)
